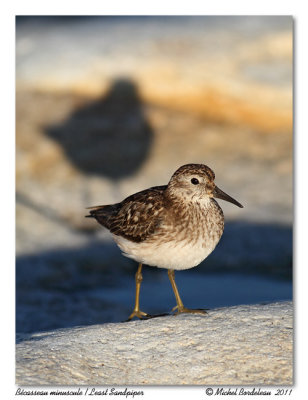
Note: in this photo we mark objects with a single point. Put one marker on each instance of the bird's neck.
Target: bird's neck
(188, 201)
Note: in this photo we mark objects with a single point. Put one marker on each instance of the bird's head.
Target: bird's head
(195, 182)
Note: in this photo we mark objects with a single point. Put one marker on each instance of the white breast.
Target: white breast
(170, 255)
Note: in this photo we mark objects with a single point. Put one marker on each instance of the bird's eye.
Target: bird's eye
(194, 181)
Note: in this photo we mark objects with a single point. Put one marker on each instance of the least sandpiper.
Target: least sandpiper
(175, 226)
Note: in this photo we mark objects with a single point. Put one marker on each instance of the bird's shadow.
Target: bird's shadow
(108, 137)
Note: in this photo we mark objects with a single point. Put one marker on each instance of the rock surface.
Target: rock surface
(244, 345)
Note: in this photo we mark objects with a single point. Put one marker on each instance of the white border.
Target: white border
(133, 7)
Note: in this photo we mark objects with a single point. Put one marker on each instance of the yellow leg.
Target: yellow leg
(137, 312)
(180, 305)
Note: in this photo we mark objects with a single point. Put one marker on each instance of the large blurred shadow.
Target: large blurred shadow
(109, 137)
(95, 284)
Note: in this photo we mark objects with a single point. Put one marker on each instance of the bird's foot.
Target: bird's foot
(183, 309)
(143, 316)
(139, 314)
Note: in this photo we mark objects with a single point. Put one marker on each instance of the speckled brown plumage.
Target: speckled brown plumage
(135, 218)
(180, 212)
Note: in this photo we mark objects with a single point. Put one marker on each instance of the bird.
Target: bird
(174, 226)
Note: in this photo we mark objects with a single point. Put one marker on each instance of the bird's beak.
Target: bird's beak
(219, 194)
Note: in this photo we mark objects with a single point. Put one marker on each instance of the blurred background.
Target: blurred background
(107, 106)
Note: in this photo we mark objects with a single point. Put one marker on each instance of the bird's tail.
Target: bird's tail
(95, 211)
(103, 214)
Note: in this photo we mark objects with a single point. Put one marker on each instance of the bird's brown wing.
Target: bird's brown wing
(135, 218)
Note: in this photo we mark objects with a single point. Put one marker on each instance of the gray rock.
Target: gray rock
(245, 345)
